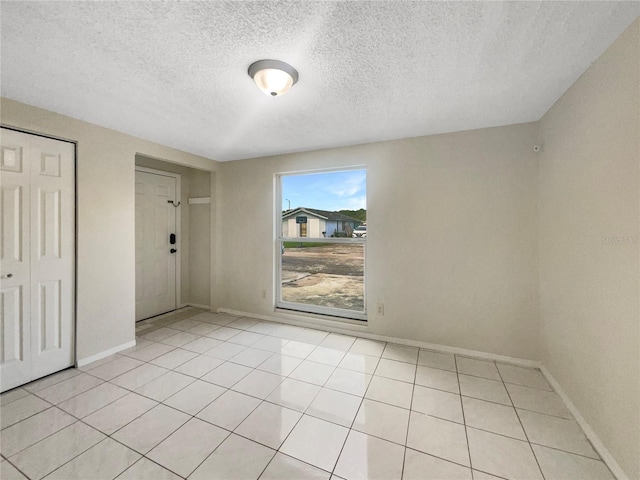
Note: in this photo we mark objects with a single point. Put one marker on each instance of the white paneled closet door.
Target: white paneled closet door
(37, 257)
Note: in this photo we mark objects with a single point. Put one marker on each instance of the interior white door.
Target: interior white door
(37, 256)
(155, 254)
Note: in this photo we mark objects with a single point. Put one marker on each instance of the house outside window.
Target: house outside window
(320, 223)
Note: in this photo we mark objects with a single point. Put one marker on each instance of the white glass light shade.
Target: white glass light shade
(273, 81)
(273, 77)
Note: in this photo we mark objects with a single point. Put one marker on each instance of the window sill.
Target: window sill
(321, 319)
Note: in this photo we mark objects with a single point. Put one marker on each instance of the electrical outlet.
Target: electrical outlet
(263, 294)
(380, 307)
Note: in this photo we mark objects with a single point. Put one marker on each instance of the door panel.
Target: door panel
(14, 260)
(11, 158)
(12, 221)
(52, 255)
(12, 325)
(155, 264)
(50, 322)
(49, 230)
(38, 251)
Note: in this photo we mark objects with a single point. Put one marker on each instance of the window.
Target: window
(322, 243)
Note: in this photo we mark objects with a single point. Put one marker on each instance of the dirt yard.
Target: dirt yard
(329, 275)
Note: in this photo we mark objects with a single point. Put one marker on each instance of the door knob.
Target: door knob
(173, 250)
(8, 275)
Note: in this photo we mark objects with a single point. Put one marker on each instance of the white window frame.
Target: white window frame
(279, 241)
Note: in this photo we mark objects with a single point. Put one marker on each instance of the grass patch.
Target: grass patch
(305, 244)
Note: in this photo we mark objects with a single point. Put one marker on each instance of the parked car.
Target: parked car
(360, 231)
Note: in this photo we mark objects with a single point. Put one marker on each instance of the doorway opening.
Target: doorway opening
(157, 242)
(193, 232)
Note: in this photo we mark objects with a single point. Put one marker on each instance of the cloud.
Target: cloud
(356, 203)
(351, 184)
(353, 203)
(327, 191)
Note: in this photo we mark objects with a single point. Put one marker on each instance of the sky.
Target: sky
(344, 190)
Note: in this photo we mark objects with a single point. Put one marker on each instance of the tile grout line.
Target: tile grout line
(16, 467)
(32, 415)
(599, 459)
(75, 456)
(45, 437)
(144, 457)
(350, 429)
(522, 426)
(197, 466)
(107, 437)
(231, 432)
(283, 441)
(464, 418)
(49, 376)
(406, 438)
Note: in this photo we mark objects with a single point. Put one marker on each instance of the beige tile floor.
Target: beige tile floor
(210, 396)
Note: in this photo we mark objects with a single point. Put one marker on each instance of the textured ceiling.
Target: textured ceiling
(175, 73)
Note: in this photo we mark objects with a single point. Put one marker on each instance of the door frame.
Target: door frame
(178, 257)
(74, 286)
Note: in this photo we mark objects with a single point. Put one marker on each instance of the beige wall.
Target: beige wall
(195, 239)
(105, 220)
(200, 239)
(454, 258)
(589, 178)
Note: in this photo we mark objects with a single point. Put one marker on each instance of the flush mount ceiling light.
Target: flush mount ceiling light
(273, 77)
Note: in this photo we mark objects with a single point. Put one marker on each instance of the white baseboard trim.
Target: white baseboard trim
(163, 315)
(195, 305)
(360, 331)
(99, 356)
(586, 428)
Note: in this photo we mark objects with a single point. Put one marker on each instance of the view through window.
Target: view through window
(322, 243)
